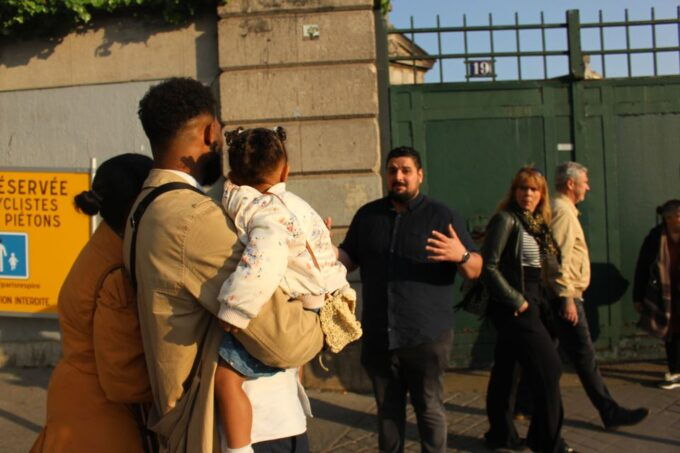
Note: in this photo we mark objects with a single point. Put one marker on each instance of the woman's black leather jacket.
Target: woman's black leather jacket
(502, 271)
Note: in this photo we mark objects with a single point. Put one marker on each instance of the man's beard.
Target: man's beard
(402, 197)
(211, 165)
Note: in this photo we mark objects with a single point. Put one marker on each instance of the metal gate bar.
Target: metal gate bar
(572, 47)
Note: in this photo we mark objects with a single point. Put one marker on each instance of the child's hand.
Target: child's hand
(228, 327)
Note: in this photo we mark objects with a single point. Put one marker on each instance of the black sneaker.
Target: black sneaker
(626, 417)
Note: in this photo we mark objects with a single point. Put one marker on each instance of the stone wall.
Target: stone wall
(111, 50)
(311, 67)
(66, 100)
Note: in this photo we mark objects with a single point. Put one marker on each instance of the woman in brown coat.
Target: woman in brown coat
(93, 390)
(656, 290)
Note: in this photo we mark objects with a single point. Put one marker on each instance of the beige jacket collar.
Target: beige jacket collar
(160, 176)
(561, 198)
(186, 176)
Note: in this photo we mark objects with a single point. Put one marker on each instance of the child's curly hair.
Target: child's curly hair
(255, 153)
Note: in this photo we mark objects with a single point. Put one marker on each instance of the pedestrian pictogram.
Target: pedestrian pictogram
(13, 255)
(41, 234)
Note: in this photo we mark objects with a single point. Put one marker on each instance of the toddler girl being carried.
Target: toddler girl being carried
(287, 245)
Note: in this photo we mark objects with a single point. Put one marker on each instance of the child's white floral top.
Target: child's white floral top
(275, 228)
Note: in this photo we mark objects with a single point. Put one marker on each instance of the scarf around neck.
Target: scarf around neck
(537, 227)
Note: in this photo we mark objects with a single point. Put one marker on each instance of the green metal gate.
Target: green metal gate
(475, 136)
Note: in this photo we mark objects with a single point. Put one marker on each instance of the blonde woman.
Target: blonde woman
(518, 253)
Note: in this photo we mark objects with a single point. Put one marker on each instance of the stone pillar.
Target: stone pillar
(310, 66)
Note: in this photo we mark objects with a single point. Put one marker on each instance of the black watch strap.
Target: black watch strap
(466, 257)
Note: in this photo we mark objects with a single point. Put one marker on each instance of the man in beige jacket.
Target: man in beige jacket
(571, 182)
(185, 249)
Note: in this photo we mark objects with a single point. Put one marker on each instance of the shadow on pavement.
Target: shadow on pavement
(464, 409)
(466, 443)
(580, 424)
(22, 407)
(365, 421)
(648, 375)
(26, 377)
(351, 418)
(20, 421)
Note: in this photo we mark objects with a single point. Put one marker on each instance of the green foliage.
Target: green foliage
(385, 6)
(25, 18)
(28, 18)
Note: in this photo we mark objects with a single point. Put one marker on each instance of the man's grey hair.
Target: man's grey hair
(566, 171)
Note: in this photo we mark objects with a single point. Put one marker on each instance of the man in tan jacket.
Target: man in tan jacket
(185, 249)
(571, 182)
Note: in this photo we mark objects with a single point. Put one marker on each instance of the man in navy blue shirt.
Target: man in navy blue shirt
(409, 248)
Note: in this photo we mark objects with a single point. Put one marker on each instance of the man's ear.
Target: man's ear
(210, 132)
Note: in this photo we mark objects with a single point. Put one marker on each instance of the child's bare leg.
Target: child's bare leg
(235, 411)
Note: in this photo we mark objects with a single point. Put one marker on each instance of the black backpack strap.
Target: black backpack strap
(139, 212)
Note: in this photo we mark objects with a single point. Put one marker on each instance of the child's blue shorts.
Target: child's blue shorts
(233, 352)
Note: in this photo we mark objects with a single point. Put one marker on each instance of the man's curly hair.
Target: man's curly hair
(168, 106)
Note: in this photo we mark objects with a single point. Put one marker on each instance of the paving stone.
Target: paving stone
(345, 422)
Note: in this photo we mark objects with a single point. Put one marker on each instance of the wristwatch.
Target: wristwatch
(466, 257)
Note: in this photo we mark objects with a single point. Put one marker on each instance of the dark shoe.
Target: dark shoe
(519, 444)
(626, 417)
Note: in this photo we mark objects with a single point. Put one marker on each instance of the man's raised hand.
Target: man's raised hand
(445, 247)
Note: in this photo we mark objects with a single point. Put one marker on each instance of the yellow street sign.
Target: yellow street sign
(41, 234)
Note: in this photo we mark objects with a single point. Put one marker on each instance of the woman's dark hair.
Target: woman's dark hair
(116, 184)
(668, 208)
(255, 153)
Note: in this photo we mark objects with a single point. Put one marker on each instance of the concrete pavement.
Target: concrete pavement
(344, 422)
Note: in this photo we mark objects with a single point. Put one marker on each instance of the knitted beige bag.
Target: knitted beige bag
(338, 321)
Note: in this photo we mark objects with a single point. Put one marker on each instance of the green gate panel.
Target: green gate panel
(470, 163)
(649, 164)
(607, 285)
(474, 137)
(458, 156)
